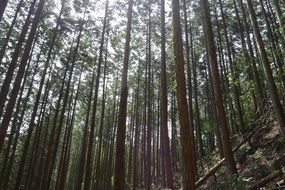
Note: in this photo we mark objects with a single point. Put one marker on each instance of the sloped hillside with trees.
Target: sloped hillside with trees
(149, 94)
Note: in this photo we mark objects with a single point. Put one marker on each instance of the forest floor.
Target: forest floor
(260, 160)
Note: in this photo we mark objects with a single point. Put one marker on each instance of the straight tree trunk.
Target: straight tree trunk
(67, 142)
(248, 61)
(14, 93)
(189, 51)
(149, 98)
(8, 35)
(197, 112)
(268, 72)
(173, 134)
(98, 175)
(276, 53)
(279, 15)
(3, 4)
(163, 104)
(88, 170)
(121, 133)
(82, 159)
(232, 70)
(46, 146)
(113, 132)
(46, 161)
(54, 140)
(185, 133)
(224, 74)
(137, 131)
(257, 79)
(10, 71)
(15, 129)
(223, 126)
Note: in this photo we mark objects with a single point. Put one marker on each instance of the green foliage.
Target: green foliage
(208, 126)
(237, 182)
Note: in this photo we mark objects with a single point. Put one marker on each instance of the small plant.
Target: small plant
(238, 182)
(257, 154)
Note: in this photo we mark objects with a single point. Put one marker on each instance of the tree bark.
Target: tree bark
(268, 72)
(121, 133)
(163, 104)
(8, 35)
(10, 71)
(217, 88)
(3, 4)
(185, 133)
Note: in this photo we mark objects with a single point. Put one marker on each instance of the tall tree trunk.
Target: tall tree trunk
(149, 99)
(214, 110)
(17, 122)
(279, 16)
(8, 35)
(197, 111)
(137, 131)
(98, 175)
(42, 183)
(67, 142)
(248, 61)
(189, 50)
(82, 159)
(46, 148)
(121, 133)
(257, 79)
(224, 74)
(185, 133)
(217, 88)
(88, 171)
(3, 4)
(54, 140)
(14, 93)
(10, 71)
(275, 53)
(268, 72)
(232, 70)
(163, 104)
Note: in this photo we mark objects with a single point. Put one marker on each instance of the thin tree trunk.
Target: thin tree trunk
(149, 99)
(163, 105)
(137, 131)
(98, 175)
(251, 54)
(234, 74)
(82, 159)
(14, 93)
(3, 4)
(66, 147)
(16, 124)
(279, 15)
(189, 80)
(121, 133)
(46, 148)
(10, 71)
(275, 53)
(248, 61)
(54, 142)
(44, 166)
(268, 72)
(197, 112)
(8, 35)
(88, 170)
